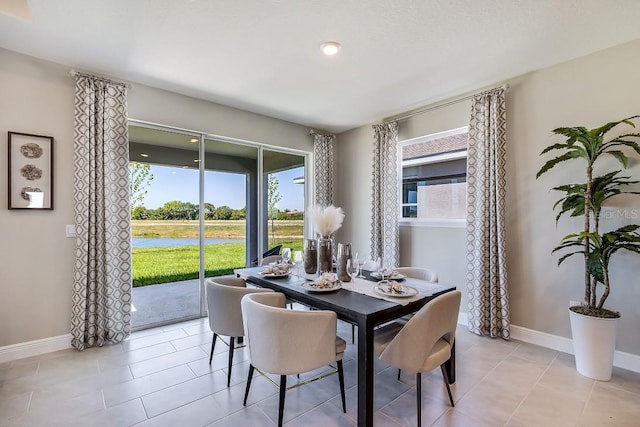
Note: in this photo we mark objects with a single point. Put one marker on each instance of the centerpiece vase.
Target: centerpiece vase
(325, 254)
(344, 255)
(310, 256)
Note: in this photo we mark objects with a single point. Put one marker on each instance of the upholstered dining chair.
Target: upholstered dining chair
(423, 343)
(286, 342)
(419, 273)
(225, 314)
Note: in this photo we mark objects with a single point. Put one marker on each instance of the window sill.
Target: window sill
(426, 222)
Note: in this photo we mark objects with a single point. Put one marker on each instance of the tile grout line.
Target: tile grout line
(586, 402)
(532, 387)
(485, 376)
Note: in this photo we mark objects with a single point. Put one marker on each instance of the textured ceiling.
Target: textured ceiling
(263, 55)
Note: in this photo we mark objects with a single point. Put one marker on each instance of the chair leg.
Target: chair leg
(341, 379)
(246, 391)
(419, 397)
(399, 371)
(446, 382)
(231, 348)
(283, 390)
(353, 334)
(213, 346)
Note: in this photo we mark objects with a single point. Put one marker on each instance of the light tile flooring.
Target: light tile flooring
(162, 377)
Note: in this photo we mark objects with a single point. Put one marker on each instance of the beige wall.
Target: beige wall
(588, 91)
(36, 260)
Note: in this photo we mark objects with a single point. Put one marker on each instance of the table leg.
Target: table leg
(365, 374)
(450, 365)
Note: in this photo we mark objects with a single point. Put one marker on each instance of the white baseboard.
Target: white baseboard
(620, 359)
(34, 348)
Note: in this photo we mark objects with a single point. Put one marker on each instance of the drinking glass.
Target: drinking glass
(286, 255)
(361, 263)
(352, 268)
(298, 260)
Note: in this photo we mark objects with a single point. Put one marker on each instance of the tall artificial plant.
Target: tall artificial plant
(587, 199)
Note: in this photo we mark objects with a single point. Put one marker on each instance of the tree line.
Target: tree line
(177, 210)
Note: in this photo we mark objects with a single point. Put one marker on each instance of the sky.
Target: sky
(221, 188)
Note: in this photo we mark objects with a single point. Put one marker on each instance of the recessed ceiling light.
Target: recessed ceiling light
(144, 155)
(194, 140)
(330, 48)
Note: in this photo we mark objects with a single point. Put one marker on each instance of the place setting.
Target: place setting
(327, 282)
(277, 270)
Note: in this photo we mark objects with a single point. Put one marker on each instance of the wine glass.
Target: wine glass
(361, 263)
(298, 259)
(352, 268)
(286, 255)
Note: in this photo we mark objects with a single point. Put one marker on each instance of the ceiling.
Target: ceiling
(263, 55)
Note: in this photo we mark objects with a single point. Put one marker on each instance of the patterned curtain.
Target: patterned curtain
(385, 232)
(486, 262)
(323, 166)
(101, 310)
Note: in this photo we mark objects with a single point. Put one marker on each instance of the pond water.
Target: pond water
(160, 242)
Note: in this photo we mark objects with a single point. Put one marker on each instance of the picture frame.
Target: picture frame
(30, 162)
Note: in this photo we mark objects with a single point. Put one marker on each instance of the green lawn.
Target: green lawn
(161, 265)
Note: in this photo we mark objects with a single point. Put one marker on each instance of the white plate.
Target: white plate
(394, 276)
(312, 288)
(273, 275)
(385, 290)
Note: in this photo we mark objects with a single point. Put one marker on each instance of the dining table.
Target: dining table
(355, 303)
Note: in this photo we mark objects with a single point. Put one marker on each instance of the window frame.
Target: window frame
(436, 158)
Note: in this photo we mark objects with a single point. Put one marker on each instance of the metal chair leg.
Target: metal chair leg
(419, 397)
(213, 346)
(446, 382)
(341, 379)
(283, 390)
(399, 371)
(231, 348)
(246, 391)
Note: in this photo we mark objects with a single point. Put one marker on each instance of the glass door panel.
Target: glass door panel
(165, 226)
(283, 178)
(229, 205)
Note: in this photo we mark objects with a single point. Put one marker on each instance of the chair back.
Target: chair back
(419, 273)
(223, 303)
(414, 343)
(271, 258)
(286, 342)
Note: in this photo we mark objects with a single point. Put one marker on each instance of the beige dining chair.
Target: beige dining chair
(418, 273)
(225, 314)
(287, 342)
(423, 343)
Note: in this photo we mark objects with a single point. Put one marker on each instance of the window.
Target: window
(434, 176)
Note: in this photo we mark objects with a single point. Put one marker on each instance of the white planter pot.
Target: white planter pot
(594, 341)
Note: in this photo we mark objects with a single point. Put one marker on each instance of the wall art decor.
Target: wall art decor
(30, 171)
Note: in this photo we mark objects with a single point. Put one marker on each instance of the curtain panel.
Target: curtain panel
(323, 169)
(385, 232)
(101, 299)
(488, 294)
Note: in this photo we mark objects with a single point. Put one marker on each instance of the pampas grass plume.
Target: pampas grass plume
(326, 219)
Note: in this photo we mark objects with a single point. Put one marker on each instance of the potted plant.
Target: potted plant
(592, 324)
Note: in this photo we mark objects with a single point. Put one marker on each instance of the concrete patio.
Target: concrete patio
(163, 303)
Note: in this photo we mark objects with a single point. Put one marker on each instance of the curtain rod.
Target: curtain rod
(436, 107)
(74, 73)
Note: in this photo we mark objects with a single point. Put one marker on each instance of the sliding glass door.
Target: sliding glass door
(201, 207)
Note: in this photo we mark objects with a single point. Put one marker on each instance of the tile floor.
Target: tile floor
(162, 377)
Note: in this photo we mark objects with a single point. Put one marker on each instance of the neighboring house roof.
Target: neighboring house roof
(435, 146)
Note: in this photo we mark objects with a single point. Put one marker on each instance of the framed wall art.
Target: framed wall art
(30, 171)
